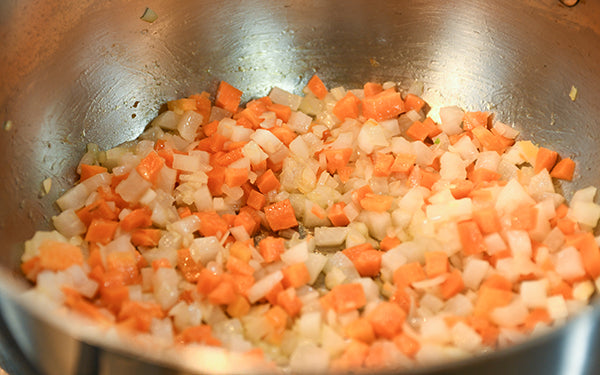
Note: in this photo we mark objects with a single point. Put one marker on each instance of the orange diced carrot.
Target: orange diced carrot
(408, 274)
(372, 89)
(267, 182)
(365, 258)
(383, 106)
(436, 263)
(564, 169)
(246, 220)
(317, 87)
(480, 175)
(138, 218)
(140, 314)
(100, 209)
(284, 134)
(280, 215)
(361, 330)
(545, 159)
(470, 237)
(452, 285)
(57, 256)
(228, 97)
(75, 301)
(188, 266)
(295, 275)
(203, 105)
(201, 334)
(590, 252)
(212, 224)
(407, 345)
(472, 120)
(289, 301)
(101, 231)
(210, 128)
(337, 158)
(382, 164)
(352, 358)
(345, 297)
(237, 266)
(271, 248)
(376, 202)
(182, 105)
(389, 243)
(88, 171)
(490, 298)
(360, 193)
(147, 237)
(347, 107)
(239, 307)
(387, 319)
(487, 220)
(222, 294)
(538, 315)
(419, 131)
(337, 216)
(235, 177)
(490, 141)
(403, 163)
(461, 188)
(150, 166)
(256, 200)
(524, 217)
(413, 102)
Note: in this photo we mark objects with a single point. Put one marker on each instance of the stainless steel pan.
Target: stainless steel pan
(73, 72)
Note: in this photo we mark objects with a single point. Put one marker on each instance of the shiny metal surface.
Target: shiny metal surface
(89, 71)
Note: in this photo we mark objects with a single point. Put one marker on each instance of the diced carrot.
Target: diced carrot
(248, 119)
(386, 319)
(590, 252)
(259, 106)
(383, 106)
(407, 345)
(289, 301)
(140, 313)
(100, 209)
(271, 248)
(497, 281)
(452, 285)
(345, 297)
(337, 158)
(563, 289)
(222, 294)
(317, 87)
(88, 171)
(228, 97)
(403, 163)
(487, 220)
(480, 175)
(389, 242)
(360, 193)
(101, 231)
(182, 105)
(564, 169)
(75, 301)
(372, 89)
(352, 358)
(295, 275)
(147, 237)
(382, 164)
(239, 307)
(347, 107)
(365, 258)
(490, 141)
(138, 218)
(413, 102)
(376, 202)
(461, 188)
(436, 263)
(419, 131)
(267, 182)
(524, 217)
(538, 315)
(253, 213)
(212, 224)
(486, 329)
(235, 177)
(125, 263)
(150, 166)
(210, 128)
(208, 281)
(361, 330)
(545, 159)
(216, 179)
(246, 220)
(241, 250)
(31, 268)
(490, 298)
(56, 256)
(422, 177)
(471, 238)
(237, 266)
(345, 173)
(408, 273)
(337, 216)
(282, 112)
(567, 226)
(188, 266)
(284, 134)
(277, 319)
(226, 158)
(113, 291)
(280, 215)
(203, 105)
(201, 334)
(472, 120)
